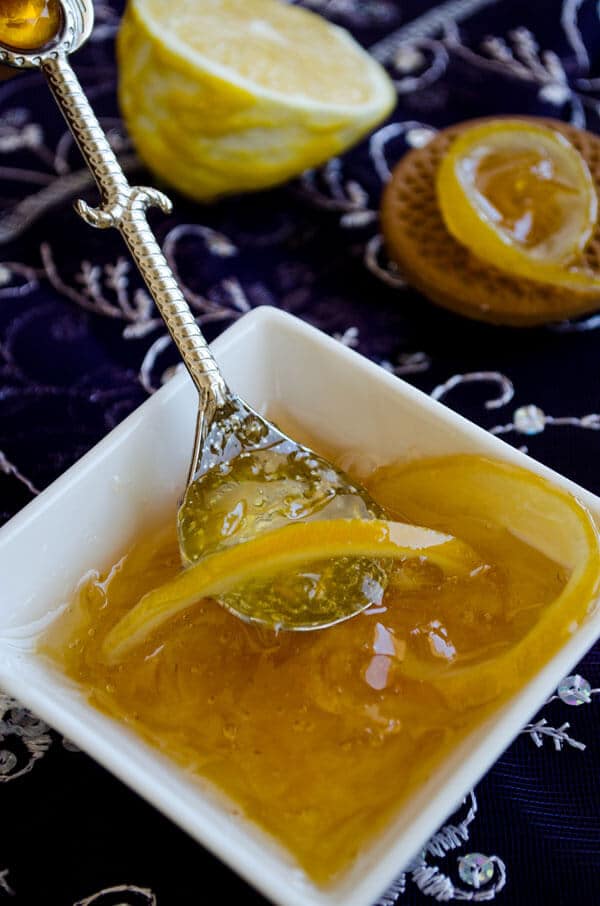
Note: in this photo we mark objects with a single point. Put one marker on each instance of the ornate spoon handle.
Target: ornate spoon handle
(124, 207)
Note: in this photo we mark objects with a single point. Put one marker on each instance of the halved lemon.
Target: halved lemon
(229, 95)
(280, 550)
(520, 196)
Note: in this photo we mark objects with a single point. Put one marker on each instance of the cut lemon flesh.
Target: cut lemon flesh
(479, 495)
(520, 197)
(283, 549)
(232, 95)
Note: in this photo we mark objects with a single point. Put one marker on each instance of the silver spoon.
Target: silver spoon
(245, 475)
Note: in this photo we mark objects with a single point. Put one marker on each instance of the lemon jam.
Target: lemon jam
(318, 737)
(525, 194)
(264, 490)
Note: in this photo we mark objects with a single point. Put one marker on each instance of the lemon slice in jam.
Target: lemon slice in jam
(274, 552)
(487, 497)
(520, 197)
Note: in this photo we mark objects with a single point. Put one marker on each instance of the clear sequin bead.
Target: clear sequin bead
(555, 93)
(574, 690)
(408, 58)
(419, 136)
(529, 420)
(475, 869)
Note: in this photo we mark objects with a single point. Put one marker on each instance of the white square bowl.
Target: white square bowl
(92, 512)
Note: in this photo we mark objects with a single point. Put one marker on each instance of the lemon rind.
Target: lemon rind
(284, 548)
(477, 233)
(199, 63)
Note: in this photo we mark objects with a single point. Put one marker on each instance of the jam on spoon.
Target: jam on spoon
(252, 479)
(246, 476)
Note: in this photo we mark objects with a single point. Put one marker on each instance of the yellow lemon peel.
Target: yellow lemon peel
(236, 95)
(520, 197)
(283, 549)
(537, 512)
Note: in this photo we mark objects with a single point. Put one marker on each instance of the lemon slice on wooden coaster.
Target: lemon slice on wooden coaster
(521, 197)
(450, 272)
(230, 95)
(283, 549)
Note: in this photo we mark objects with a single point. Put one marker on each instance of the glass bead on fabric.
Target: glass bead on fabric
(574, 690)
(475, 869)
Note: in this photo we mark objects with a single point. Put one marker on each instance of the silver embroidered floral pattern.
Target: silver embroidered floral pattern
(120, 895)
(4, 885)
(574, 691)
(24, 739)
(484, 876)
(531, 420)
(505, 386)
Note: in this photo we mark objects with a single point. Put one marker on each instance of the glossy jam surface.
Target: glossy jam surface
(317, 736)
(525, 192)
(29, 24)
(521, 197)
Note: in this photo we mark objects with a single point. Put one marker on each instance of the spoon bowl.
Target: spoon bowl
(252, 478)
